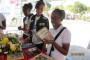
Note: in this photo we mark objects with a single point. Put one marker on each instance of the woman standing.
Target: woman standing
(38, 21)
(59, 46)
(26, 20)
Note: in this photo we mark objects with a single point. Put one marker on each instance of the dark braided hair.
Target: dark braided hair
(61, 13)
(39, 3)
(28, 6)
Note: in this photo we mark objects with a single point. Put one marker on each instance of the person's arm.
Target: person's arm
(44, 47)
(4, 25)
(20, 28)
(63, 50)
(66, 43)
(47, 23)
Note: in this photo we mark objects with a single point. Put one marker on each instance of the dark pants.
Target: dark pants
(39, 46)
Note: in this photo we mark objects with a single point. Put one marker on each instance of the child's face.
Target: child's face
(26, 11)
(55, 19)
(40, 10)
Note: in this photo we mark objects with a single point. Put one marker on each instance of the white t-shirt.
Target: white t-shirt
(26, 21)
(64, 38)
(34, 38)
(2, 18)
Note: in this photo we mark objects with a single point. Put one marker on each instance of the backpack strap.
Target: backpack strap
(52, 48)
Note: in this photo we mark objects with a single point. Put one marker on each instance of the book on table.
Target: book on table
(27, 45)
(42, 56)
(31, 52)
(15, 56)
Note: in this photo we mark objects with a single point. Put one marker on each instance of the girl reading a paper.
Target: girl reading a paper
(58, 47)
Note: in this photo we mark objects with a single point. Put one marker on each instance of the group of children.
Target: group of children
(59, 46)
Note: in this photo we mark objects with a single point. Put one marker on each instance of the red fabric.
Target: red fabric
(25, 58)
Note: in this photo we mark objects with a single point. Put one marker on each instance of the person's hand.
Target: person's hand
(19, 28)
(28, 39)
(1, 27)
(48, 41)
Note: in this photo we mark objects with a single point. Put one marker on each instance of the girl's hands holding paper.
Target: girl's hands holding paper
(47, 41)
